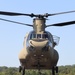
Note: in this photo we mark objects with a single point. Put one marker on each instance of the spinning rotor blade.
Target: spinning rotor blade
(61, 13)
(15, 14)
(16, 22)
(62, 24)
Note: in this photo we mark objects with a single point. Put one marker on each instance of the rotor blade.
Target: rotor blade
(15, 22)
(62, 24)
(61, 13)
(15, 14)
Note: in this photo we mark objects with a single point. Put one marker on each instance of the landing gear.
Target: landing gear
(54, 70)
(22, 69)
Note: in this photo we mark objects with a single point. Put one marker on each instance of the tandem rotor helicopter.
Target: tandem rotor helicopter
(38, 47)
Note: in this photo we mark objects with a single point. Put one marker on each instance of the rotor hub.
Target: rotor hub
(39, 25)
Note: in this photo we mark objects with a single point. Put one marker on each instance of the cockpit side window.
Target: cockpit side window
(50, 38)
(32, 36)
(46, 36)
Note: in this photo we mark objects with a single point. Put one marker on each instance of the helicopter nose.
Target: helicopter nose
(38, 43)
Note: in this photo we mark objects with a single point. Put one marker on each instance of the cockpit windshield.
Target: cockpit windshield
(40, 36)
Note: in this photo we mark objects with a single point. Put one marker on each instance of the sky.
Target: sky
(12, 35)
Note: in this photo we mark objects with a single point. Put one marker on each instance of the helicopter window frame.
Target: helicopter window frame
(39, 36)
(45, 36)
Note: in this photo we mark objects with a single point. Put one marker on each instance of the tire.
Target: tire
(20, 68)
(23, 71)
(53, 71)
(56, 69)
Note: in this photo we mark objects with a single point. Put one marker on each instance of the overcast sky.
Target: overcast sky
(12, 35)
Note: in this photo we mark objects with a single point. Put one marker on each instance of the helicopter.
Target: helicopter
(38, 50)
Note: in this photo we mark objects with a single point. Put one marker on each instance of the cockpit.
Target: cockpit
(46, 36)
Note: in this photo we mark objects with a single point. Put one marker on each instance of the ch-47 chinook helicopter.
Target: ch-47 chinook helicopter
(38, 51)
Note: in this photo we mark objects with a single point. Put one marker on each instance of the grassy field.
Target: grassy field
(63, 70)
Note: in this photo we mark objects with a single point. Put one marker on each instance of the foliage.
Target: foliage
(63, 70)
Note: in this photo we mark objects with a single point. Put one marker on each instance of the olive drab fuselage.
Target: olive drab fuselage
(38, 48)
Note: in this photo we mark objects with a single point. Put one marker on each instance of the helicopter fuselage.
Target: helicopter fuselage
(38, 51)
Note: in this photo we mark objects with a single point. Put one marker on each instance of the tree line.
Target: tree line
(63, 70)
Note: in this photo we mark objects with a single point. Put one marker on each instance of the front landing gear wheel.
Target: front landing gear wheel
(56, 69)
(53, 71)
(23, 70)
(20, 68)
